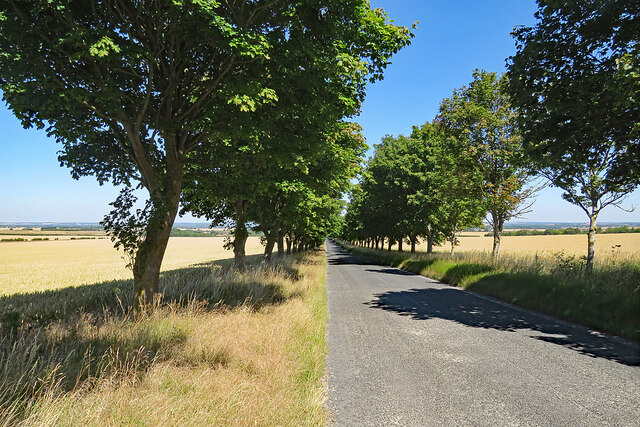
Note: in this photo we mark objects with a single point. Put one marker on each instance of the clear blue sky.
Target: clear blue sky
(453, 38)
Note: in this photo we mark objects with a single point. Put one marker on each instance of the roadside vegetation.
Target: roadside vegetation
(607, 299)
(221, 347)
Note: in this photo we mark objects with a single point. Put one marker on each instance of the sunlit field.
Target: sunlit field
(53, 264)
(570, 244)
(219, 349)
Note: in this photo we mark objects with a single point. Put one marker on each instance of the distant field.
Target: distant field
(570, 244)
(5, 232)
(36, 266)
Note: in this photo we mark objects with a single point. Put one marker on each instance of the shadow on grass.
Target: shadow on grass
(57, 339)
(470, 310)
(180, 286)
(458, 272)
(415, 265)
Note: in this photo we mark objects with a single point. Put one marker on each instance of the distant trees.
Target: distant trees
(133, 89)
(574, 81)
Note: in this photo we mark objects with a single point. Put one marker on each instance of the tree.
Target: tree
(291, 191)
(130, 88)
(455, 187)
(484, 125)
(574, 81)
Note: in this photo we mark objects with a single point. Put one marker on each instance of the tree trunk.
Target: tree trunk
(240, 235)
(400, 244)
(413, 244)
(498, 225)
(288, 240)
(268, 249)
(591, 241)
(453, 246)
(280, 242)
(390, 244)
(150, 253)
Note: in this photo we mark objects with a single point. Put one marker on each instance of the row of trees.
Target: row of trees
(234, 107)
(567, 110)
(446, 175)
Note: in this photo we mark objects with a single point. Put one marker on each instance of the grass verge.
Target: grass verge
(222, 348)
(607, 300)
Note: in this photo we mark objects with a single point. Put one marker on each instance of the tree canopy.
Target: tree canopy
(130, 88)
(575, 81)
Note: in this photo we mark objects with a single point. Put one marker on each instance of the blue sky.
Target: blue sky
(453, 38)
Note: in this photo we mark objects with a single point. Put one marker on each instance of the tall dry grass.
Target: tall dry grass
(221, 348)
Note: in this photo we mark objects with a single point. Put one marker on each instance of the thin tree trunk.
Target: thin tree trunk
(268, 248)
(390, 244)
(400, 244)
(591, 241)
(240, 235)
(413, 244)
(288, 240)
(280, 242)
(453, 246)
(430, 238)
(498, 225)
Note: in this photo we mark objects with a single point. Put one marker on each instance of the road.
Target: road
(407, 350)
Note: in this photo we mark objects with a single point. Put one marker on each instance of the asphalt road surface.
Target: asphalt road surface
(408, 350)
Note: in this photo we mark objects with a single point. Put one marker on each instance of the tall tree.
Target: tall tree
(481, 119)
(456, 187)
(130, 87)
(574, 80)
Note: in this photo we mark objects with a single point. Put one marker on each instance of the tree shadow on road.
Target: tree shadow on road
(467, 309)
(345, 258)
(390, 271)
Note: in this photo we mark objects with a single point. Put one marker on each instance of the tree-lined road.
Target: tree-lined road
(408, 350)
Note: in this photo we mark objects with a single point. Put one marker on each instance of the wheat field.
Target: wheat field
(569, 244)
(53, 264)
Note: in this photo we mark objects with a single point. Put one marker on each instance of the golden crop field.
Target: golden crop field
(37, 266)
(570, 244)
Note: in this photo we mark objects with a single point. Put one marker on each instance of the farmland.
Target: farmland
(569, 244)
(43, 265)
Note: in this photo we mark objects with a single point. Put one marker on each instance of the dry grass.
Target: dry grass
(38, 266)
(223, 349)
